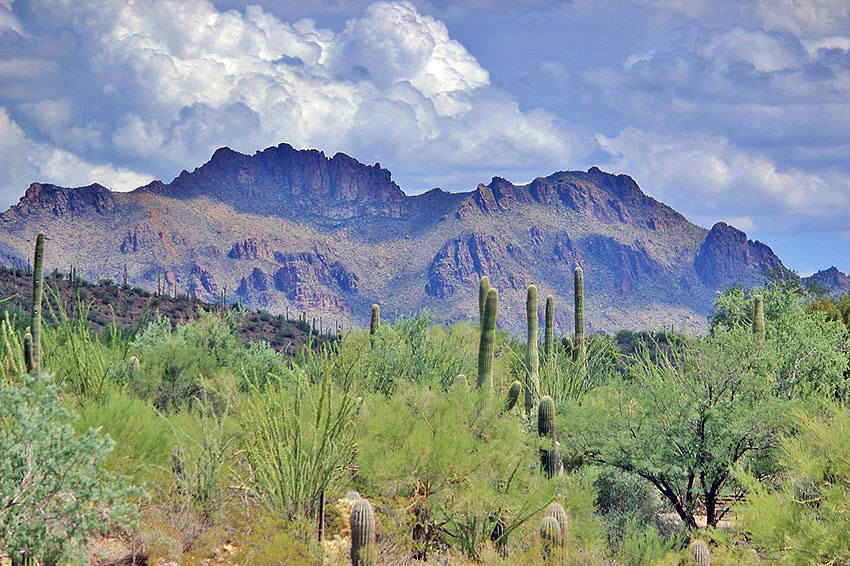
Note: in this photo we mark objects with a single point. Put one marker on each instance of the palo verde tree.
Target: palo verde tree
(685, 421)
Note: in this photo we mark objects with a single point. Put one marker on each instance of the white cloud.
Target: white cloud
(26, 161)
(708, 179)
(178, 78)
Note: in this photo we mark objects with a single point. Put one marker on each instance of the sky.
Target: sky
(735, 111)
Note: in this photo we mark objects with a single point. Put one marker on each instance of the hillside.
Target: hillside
(105, 303)
(286, 228)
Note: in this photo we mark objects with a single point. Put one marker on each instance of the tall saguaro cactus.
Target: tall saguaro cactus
(37, 294)
(483, 289)
(532, 357)
(549, 338)
(487, 343)
(758, 317)
(375, 320)
(362, 523)
(578, 346)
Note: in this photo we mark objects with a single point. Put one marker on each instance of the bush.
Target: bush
(54, 489)
(454, 462)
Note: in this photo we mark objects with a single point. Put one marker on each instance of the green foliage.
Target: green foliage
(54, 489)
(643, 545)
(804, 518)
(300, 432)
(410, 351)
(628, 505)
(564, 379)
(805, 354)
(456, 458)
(685, 422)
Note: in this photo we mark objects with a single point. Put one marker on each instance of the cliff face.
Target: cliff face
(295, 229)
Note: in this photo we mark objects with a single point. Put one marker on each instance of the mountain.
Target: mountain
(287, 228)
(830, 280)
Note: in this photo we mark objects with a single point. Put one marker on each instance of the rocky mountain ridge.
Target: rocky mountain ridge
(287, 228)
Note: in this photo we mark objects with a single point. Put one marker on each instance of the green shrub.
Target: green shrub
(54, 489)
(453, 461)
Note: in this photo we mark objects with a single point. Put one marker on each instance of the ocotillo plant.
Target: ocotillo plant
(513, 395)
(699, 554)
(549, 338)
(487, 343)
(579, 348)
(483, 288)
(37, 293)
(550, 536)
(363, 552)
(557, 511)
(758, 317)
(532, 358)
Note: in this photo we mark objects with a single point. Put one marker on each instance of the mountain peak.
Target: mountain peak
(832, 280)
(727, 256)
(62, 201)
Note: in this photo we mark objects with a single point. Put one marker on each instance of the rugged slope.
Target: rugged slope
(295, 229)
(832, 280)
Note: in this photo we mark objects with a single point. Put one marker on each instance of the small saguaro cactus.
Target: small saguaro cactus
(513, 395)
(546, 418)
(362, 522)
(375, 320)
(28, 351)
(23, 560)
(133, 366)
(37, 293)
(549, 337)
(483, 288)
(550, 461)
(557, 511)
(487, 343)
(550, 536)
(699, 555)
(461, 381)
(758, 317)
(532, 358)
(579, 348)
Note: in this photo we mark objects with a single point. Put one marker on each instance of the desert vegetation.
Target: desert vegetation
(410, 442)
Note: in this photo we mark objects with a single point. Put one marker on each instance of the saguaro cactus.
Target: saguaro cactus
(487, 343)
(37, 293)
(363, 551)
(556, 510)
(133, 366)
(28, 351)
(375, 320)
(532, 357)
(550, 536)
(483, 288)
(699, 554)
(578, 347)
(549, 338)
(550, 461)
(758, 317)
(546, 418)
(513, 395)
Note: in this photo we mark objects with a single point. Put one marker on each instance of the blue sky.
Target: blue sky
(734, 111)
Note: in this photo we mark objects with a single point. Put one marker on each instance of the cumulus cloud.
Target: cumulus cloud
(36, 161)
(162, 83)
(719, 181)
